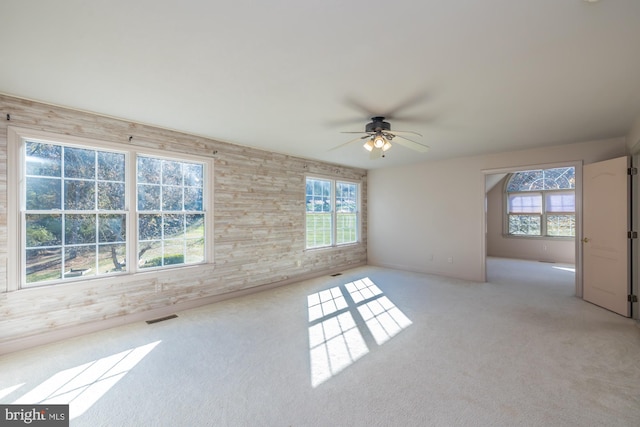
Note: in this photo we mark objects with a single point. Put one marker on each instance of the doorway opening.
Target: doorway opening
(521, 226)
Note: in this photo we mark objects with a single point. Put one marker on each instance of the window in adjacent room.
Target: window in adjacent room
(541, 203)
(332, 212)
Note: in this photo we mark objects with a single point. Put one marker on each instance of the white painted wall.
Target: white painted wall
(535, 249)
(428, 217)
(633, 137)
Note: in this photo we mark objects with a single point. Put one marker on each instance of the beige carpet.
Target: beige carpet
(398, 349)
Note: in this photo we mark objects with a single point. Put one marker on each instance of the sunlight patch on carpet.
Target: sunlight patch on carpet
(84, 385)
(334, 344)
(571, 269)
(7, 391)
(335, 338)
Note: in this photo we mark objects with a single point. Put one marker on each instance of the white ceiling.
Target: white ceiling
(472, 76)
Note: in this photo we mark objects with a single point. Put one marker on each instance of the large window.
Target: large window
(332, 212)
(87, 211)
(542, 203)
(74, 217)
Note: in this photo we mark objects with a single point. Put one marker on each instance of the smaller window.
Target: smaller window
(332, 212)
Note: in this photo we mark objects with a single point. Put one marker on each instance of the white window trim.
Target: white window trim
(334, 213)
(15, 235)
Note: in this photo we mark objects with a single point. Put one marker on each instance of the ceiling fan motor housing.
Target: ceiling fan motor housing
(377, 124)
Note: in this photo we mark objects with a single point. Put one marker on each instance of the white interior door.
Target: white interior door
(605, 242)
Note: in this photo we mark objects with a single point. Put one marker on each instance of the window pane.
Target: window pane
(346, 228)
(111, 196)
(346, 197)
(173, 252)
(193, 175)
(79, 195)
(171, 173)
(193, 199)
(43, 159)
(524, 225)
(79, 229)
(561, 202)
(171, 198)
(525, 181)
(318, 230)
(43, 193)
(195, 251)
(194, 238)
(43, 265)
(111, 166)
(79, 163)
(561, 225)
(150, 255)
(173, 226)
(112, 228)
(525, 203)
(43, 230)
(318, 195)
(149, 197)
(547, 179)
(80, 261)
(560, 178)
(150, 227)
(112, 258)
(148, 170)
(195, 226)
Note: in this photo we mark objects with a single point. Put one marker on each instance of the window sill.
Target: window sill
(554, 238)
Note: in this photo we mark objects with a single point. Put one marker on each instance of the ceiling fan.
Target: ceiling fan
(379, 135)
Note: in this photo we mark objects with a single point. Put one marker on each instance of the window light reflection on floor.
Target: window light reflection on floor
(7, 391)
(325, 302)
(334, 344)
(571, 269)
(335, 338)
(383, 319)
(84, 385)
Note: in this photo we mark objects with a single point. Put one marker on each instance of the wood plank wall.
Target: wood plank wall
(259, 231)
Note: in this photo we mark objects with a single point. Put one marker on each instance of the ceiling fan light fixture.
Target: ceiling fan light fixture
(368, 145)
(386, 146)
(379, 141)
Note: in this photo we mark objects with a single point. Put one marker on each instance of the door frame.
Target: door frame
(577, 241)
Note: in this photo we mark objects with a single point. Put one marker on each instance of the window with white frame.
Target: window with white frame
(332, 212)
(541, 203)
(76, 203)
(170, 212)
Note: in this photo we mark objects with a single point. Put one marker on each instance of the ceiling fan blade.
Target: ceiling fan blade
(345, 122)
(356, 105)
(406, 142)
(404, 105)
(420, 119)
(349, 142)
(404, 132)
(376, 153)
(360, 132)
